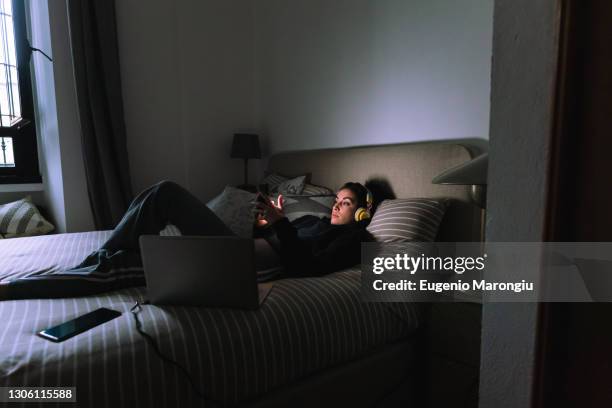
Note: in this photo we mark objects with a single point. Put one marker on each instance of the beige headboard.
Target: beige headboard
(407, 168)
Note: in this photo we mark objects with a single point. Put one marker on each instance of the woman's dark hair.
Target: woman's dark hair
(360, 192)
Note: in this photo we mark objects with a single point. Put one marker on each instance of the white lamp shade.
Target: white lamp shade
(473, 172)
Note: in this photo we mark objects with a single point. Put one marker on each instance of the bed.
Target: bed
(312, 342)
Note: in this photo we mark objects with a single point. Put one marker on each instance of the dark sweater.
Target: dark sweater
(312, 246)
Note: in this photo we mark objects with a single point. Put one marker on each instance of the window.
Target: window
(7, 158)
(18, 152)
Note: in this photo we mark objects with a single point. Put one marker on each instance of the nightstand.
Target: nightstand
(452, 335)
(247, 187)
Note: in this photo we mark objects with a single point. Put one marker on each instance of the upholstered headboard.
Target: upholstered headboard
(406, 168)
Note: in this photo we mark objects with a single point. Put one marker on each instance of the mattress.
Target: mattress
(304, 326)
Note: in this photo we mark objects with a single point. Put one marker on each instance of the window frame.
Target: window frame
(25, 148)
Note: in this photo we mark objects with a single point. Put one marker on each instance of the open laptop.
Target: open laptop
(201, 271)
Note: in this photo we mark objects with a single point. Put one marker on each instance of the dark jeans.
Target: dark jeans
(161, 204)
(168, 203)
(117, 263)
(111, 267)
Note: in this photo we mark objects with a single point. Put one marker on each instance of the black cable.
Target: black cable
(137, 308)
(41, 51)
(32, 49)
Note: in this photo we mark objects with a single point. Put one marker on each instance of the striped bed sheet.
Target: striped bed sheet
(304, 326)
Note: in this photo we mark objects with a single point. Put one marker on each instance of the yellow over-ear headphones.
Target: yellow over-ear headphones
(363, 213)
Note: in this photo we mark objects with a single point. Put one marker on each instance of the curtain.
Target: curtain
(93, 36)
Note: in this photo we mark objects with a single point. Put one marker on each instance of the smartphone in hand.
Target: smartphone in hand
(263, 189)
(262, 199)
(259, 219)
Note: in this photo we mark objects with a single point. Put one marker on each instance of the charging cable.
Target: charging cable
(137, 308)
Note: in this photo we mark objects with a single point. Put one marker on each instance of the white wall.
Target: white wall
(58, 129)
(187, 80)
(303, 73)
(357, 72)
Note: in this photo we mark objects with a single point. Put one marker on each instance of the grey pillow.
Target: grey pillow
(284, 185)
(295, 208)
(408, 220)
(310, 189)
(170, 230)
(22, 219)
(273, 180)
(235, 208)
(291, 186)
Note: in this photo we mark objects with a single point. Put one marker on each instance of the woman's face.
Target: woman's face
(343, 211)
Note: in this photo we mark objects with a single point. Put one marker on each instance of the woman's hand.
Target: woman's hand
(269, 212)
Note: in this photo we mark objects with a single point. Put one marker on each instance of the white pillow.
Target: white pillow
(327, 201)
(273, 180)
(278, 184)
(21, 219)
(295, 208)
(235, 208)
(291, 186)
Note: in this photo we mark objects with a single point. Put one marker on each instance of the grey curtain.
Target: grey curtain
(93, 34)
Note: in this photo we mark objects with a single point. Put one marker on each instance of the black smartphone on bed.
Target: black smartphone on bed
(78, 325)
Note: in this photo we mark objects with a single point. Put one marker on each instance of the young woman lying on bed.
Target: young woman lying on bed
(308, 246)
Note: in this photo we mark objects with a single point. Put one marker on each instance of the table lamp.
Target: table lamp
(472, 173)
(246, 146)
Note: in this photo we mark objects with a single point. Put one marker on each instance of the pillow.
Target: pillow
(284, 185)
(314, 189)
(22, 219)
(408, 219)
(170, 230)
(235, 208)
(297, 207)
(273, 180)
(291, 186)
(310, 189)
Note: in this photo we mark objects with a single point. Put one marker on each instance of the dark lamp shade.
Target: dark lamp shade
(245, 146)
(473, 172)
